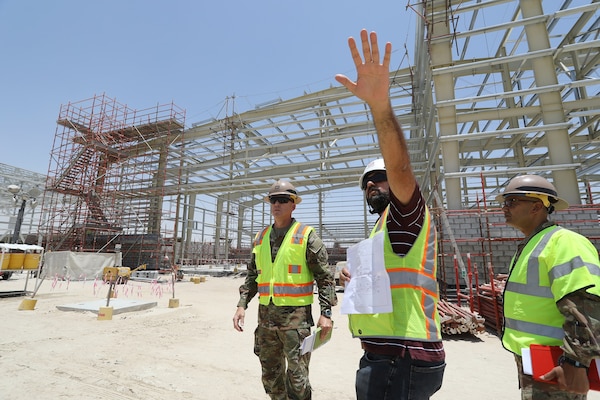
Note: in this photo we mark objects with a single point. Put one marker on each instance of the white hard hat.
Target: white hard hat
(375, 165)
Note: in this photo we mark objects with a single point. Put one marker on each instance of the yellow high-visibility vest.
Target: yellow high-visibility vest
(554, 263)
(414, 289)
(287, 281)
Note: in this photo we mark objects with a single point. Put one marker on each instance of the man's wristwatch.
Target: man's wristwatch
(326, 312)
(562, 359)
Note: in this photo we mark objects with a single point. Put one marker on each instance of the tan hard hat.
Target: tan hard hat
(281, 188)
(534, 186)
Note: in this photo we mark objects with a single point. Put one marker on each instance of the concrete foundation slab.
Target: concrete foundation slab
(119, 305)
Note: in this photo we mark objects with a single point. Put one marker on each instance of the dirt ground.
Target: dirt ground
(190, 351)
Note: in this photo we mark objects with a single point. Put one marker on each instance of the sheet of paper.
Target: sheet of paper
(527, 364)
(314, 341)
(307, 344)
(368, 291)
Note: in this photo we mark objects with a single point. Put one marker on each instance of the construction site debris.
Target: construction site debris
(457, 320)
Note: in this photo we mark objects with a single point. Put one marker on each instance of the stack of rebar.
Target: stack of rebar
(457, 320)
(489, 302)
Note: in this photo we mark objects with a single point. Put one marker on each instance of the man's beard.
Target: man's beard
(378, 202)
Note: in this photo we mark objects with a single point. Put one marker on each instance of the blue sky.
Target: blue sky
(193, 53)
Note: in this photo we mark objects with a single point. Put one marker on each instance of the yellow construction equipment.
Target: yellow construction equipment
(119, 274)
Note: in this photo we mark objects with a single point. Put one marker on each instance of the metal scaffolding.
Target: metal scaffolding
(111, 170)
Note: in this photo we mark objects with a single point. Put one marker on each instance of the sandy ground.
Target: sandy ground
(190, 351)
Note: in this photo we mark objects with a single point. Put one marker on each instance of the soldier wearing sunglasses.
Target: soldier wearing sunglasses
(287, 258)
(552, 294)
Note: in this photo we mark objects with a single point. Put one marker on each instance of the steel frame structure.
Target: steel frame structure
(498, 88)
(495, 88)
(27, 181)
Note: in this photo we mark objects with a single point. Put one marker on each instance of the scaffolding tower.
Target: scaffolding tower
(112, 169)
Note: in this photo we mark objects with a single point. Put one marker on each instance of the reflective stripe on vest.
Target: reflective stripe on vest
(287, 281)
(291, 290)
(294, 269)
(299, 233)
(259, 237)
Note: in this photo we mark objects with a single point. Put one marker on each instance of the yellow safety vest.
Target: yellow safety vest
(554, 263)
(414, 290)
(287, 281)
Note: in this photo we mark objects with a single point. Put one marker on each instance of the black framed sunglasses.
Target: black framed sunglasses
(375, 177)
(280, 200)
(510, 203)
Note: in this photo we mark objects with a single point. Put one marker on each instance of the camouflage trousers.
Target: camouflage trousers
(284, 370)
(535, 390)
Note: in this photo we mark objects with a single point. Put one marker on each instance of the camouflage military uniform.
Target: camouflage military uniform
(281, 329)
(582, 336)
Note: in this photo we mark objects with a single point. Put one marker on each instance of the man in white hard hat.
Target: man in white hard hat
(287, 258)
(551, 296)
(403, 355)
(376, 199)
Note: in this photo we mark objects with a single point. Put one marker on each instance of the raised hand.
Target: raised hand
(372, 81)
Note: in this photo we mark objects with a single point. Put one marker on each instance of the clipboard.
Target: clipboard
(541, 359)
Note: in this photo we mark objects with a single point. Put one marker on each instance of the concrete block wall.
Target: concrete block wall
(483, 238)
